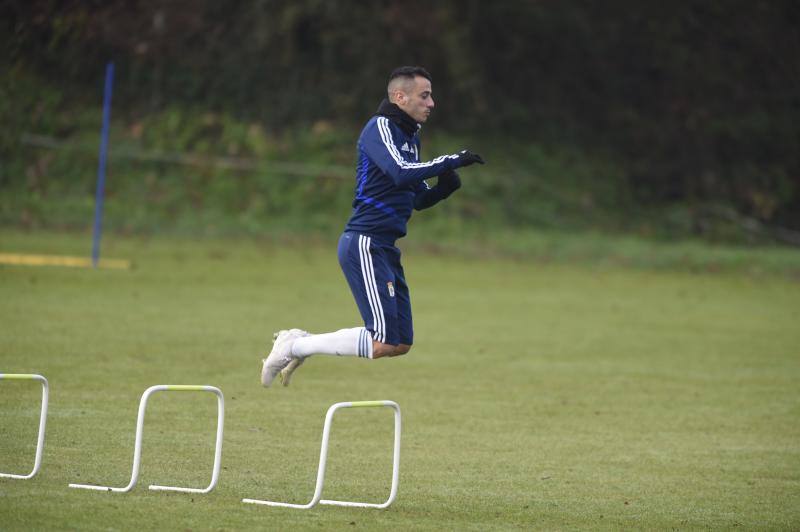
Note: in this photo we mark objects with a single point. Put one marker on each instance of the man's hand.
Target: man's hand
(466, 158)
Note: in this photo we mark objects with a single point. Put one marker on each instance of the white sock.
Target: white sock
(344, 342)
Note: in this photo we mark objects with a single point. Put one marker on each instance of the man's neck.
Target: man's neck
(393, 112)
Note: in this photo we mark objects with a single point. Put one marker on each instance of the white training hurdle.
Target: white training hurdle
(323, 455)
(137, 449)
(42, 421)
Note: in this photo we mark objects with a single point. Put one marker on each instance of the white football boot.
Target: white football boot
(280, 356)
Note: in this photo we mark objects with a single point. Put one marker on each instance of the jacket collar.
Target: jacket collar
(398, 116)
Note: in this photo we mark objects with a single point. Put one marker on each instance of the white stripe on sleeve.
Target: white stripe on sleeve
(388, 141)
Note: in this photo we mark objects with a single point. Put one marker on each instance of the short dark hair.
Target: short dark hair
(409, 72)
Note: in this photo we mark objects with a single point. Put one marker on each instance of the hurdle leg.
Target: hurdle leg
(137, 447)
(395, 458)
(37, 463)
(323, 456)
(217, 446)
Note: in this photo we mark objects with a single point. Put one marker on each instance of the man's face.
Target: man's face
(417, 102)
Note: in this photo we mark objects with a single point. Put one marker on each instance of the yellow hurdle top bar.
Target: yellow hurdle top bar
(356, 404)
(20, 376)
(187, 387)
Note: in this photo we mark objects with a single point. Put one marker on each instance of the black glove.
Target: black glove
(449, 182)
(466, 158)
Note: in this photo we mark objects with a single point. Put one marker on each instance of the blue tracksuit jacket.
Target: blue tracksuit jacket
(390, 180)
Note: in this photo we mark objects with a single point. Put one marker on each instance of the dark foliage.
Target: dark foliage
(698, 100)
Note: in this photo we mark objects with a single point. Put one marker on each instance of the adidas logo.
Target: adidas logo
(406, 148)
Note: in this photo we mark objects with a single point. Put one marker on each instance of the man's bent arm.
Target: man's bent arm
(379, 146)
(426, 196)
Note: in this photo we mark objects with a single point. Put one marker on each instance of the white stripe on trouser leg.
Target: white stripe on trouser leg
(368, 273)
(364, 276)
(376, 294)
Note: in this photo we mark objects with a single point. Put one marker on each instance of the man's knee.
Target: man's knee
(388, 350)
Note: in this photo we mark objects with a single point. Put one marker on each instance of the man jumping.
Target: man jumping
(390, 182)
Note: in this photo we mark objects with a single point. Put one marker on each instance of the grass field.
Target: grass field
(539, 395)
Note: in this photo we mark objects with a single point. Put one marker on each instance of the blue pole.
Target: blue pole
(101, 167)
